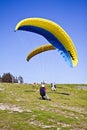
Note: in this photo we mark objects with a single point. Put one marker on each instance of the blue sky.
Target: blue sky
(48, 66)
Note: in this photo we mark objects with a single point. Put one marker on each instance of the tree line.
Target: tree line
(9, 78)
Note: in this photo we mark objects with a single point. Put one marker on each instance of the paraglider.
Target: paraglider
(40, 49)
(54, 34)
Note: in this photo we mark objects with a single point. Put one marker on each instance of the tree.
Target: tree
(20, 79)
(7, 77)
(0, 78)
(16, 80)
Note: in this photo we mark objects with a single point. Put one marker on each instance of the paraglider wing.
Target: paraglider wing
(54, 34)
(40, 49)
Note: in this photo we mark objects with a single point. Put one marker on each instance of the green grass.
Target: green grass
(22, 109)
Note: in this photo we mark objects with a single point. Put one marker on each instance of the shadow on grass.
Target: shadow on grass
(64, 93)
(60, 93)
(29, 91)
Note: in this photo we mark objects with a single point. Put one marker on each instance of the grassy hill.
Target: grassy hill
(22, 109)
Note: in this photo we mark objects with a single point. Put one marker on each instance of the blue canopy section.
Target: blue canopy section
(51, 38)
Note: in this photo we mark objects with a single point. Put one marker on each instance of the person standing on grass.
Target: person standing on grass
(43, 93)
(53, 86)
